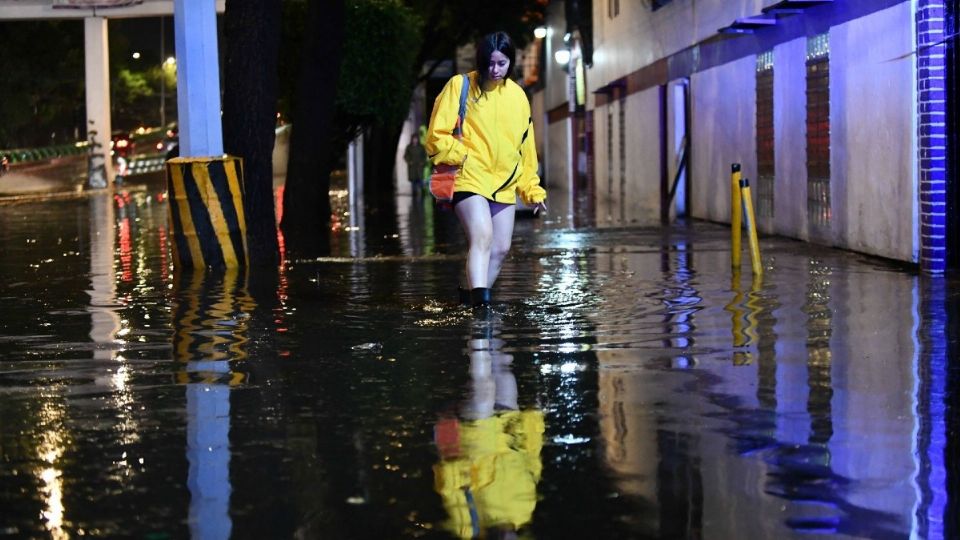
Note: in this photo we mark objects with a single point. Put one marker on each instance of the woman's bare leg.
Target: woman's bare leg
(502, 237)
(474, 215)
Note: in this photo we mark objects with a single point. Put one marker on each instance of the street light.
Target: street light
(562, 57)
(540, 32)
(136, 55)
(170, 64)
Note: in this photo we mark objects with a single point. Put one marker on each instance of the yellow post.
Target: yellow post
(751, 227)
(735, 215)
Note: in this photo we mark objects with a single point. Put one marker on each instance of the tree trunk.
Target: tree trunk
(252, 44)
(306, 197)
(379, 160)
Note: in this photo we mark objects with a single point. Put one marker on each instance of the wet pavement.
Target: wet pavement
(623, 385)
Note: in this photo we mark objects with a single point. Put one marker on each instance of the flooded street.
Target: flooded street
(623, 385)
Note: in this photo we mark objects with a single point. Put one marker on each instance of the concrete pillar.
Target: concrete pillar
(198, 78)
(355, 194)
(97, 72)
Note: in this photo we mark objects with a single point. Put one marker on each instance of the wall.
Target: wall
(789, 130)
(556, 79)
(539, 117)
(873, 136)
(723, 113)
(557, 167)
(635, 197)
(637, 36)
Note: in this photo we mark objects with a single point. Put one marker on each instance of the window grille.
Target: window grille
(818, 130)
(765, 135)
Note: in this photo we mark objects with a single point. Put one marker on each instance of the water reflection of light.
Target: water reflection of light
(682, 362)
(565, 284)
(128, 428)
(570, 367)
(281, 241)
(120, 378)
(164, 259)
(567, 348)
(565, 368)
(570, 439)
(53, 495)
(50, 450)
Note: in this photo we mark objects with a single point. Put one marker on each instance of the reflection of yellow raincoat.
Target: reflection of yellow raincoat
(498, 144)
(493, 480)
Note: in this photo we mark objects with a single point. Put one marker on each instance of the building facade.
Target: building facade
(836, 111)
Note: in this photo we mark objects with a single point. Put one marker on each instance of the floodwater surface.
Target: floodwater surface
(624, 384)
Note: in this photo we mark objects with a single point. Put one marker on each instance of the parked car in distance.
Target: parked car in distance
(121, 145)
(170, 141)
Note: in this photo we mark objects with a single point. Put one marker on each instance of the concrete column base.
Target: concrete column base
(207, 221)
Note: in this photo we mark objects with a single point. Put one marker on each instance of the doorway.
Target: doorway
(675, 154)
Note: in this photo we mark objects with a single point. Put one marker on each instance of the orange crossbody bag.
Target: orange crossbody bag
(444, 174)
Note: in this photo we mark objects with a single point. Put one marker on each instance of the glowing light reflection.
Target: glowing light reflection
(50, 450)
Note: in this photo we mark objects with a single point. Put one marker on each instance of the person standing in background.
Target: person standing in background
(416, 158)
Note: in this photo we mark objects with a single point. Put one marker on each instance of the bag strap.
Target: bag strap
(462, 113)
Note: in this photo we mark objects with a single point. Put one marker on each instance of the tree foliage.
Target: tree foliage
(445, 26)
(135, 95)
(376, 75)
(448, 25)
(41, 90)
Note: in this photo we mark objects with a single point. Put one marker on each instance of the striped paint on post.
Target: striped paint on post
(206, 212)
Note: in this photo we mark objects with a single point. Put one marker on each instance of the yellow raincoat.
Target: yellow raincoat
(498, 143)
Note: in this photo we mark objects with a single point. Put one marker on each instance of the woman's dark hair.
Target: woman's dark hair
(497, 41)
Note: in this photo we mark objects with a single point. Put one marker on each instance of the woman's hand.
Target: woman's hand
(540, 207)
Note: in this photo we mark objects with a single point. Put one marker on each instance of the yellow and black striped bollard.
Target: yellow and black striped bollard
(207, 222)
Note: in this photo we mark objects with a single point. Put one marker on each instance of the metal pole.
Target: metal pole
(163, 79)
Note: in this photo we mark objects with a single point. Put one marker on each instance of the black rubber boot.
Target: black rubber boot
(464, 295)
(480, 296)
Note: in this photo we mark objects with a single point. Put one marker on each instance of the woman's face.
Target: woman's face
(499, 65)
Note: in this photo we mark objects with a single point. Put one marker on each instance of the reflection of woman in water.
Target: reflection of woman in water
(490, 460)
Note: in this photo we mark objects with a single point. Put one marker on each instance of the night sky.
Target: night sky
(143, 35)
